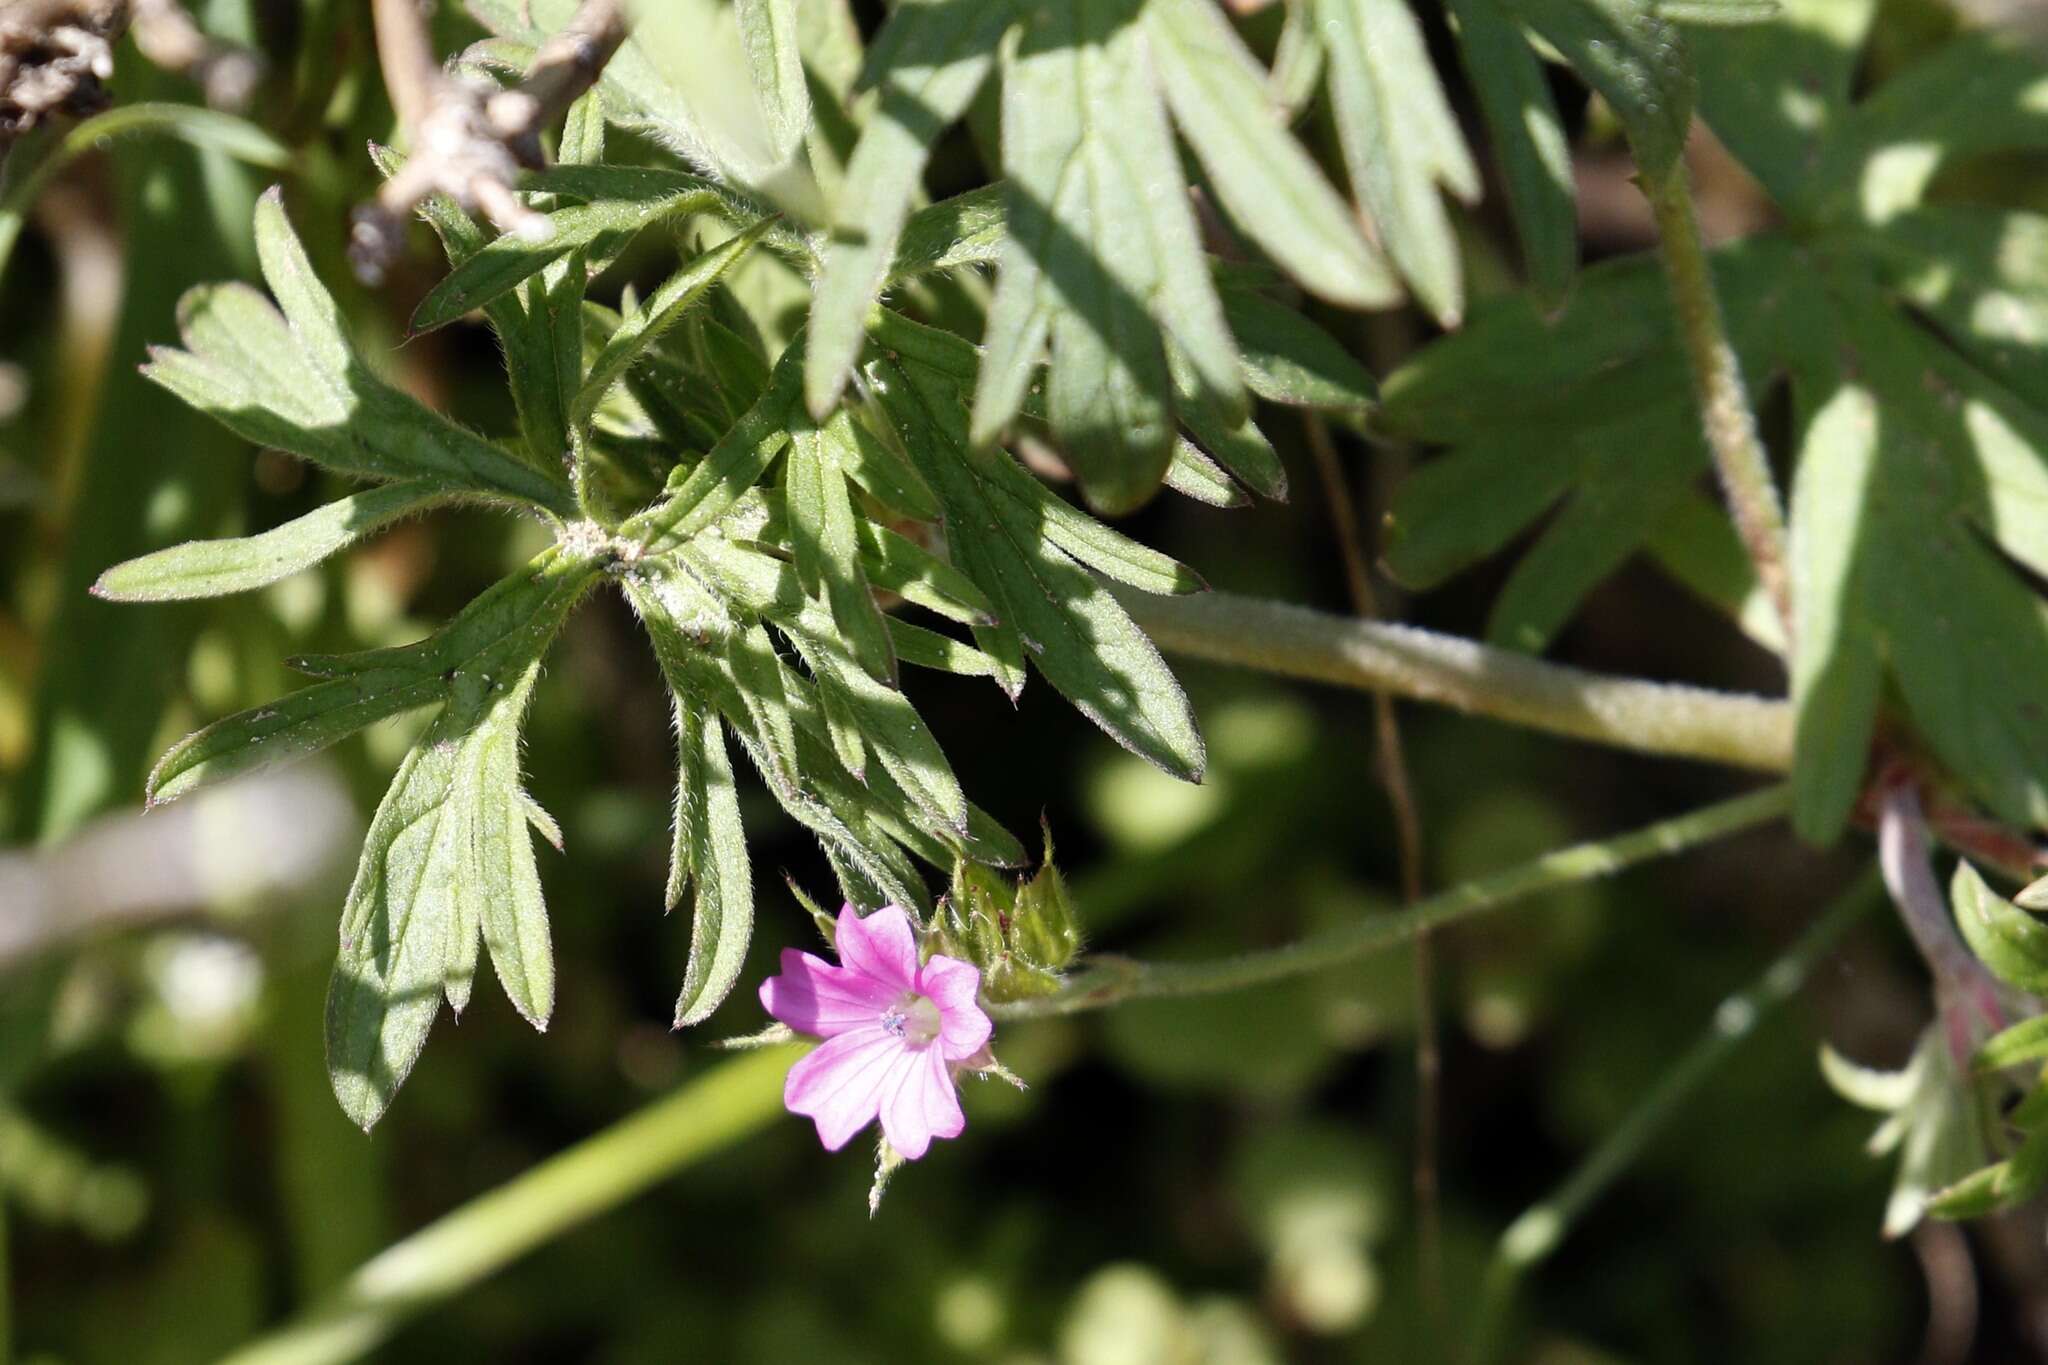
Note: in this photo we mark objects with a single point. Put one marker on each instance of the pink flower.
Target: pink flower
(893, 1030)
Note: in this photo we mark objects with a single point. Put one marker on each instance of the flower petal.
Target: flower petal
(953, 986)
(841, 1085)
(881, 945)
(921, 1103)
(813, 996)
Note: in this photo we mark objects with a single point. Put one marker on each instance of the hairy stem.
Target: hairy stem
(488, 1233)
(1657, 718)
(1394, 777)
(1726, 417)
(1538, 1232)
(1115, 981)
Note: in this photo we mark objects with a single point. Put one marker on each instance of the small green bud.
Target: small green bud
(1021, 935)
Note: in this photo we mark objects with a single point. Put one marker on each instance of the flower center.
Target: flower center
(913, 1018)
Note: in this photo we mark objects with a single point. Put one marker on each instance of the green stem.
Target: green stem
(1726, 417)
(1658, 718)
(6, 1290)
(1531, 1238)
(490, 1232)
(1114, 982)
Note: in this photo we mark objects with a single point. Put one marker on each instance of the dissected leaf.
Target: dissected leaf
(1103, 260)
(290, 380)
(633, 200)
(662, 310)
(1073, 630)
(448, 855)
(768, 32)
(710, 863)
(492, 635)
(1401, 142)
(1635, 58)
(1262, 176)
(926, 63)
(215, 568)
(1529, 141)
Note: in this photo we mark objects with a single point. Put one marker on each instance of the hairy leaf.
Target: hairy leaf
(1401, 142)
(215, 568)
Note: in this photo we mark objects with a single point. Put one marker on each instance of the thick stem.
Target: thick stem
(1658, 718)
(1531, 1238)
(1115, 981)
(1394, 777)
(1726, 417)
(489, 1232)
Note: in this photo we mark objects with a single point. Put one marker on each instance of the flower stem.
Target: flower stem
(1400, 788)
(1538, 1232)
(1658, 718)
(1726, 418)
(1115, 981)
(488, 1233)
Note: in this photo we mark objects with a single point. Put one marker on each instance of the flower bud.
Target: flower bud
(1021, 935)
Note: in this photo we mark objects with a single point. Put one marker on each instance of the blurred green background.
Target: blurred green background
(1223, 1180)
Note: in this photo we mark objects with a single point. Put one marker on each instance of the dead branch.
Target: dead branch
(467, 137)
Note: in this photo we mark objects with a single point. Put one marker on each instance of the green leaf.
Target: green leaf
(1237, 445)
(1400, 141)
(928, 649)
(1194, 475)
(671, 80)
(710, 863)
(1289, 359)
(492, 635)
(774, 718)
(884, 718)
(2024, 1042)
(447, 849)
(1777, 92)
(1262, 177)
(2006, 939)
(1103, 260)
(215, 568)
(896, 564)
(291, 381)
(768, 32)
(732, 467)
(1917, 471)
(967, 229)
(1979, 93)
(1074, 631)
(824, 533)
(1634, 57)
(635, 200)
(2003, 1185)
(1529, 141)
(927, 63)
(639, 329)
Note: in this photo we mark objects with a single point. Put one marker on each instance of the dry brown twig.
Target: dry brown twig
(56, 56)
(467, 137)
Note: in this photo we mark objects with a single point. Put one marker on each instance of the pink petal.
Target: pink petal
(813, 996)
(921, 1103)
(953, 985)
(880, 945)
(841, 1085)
